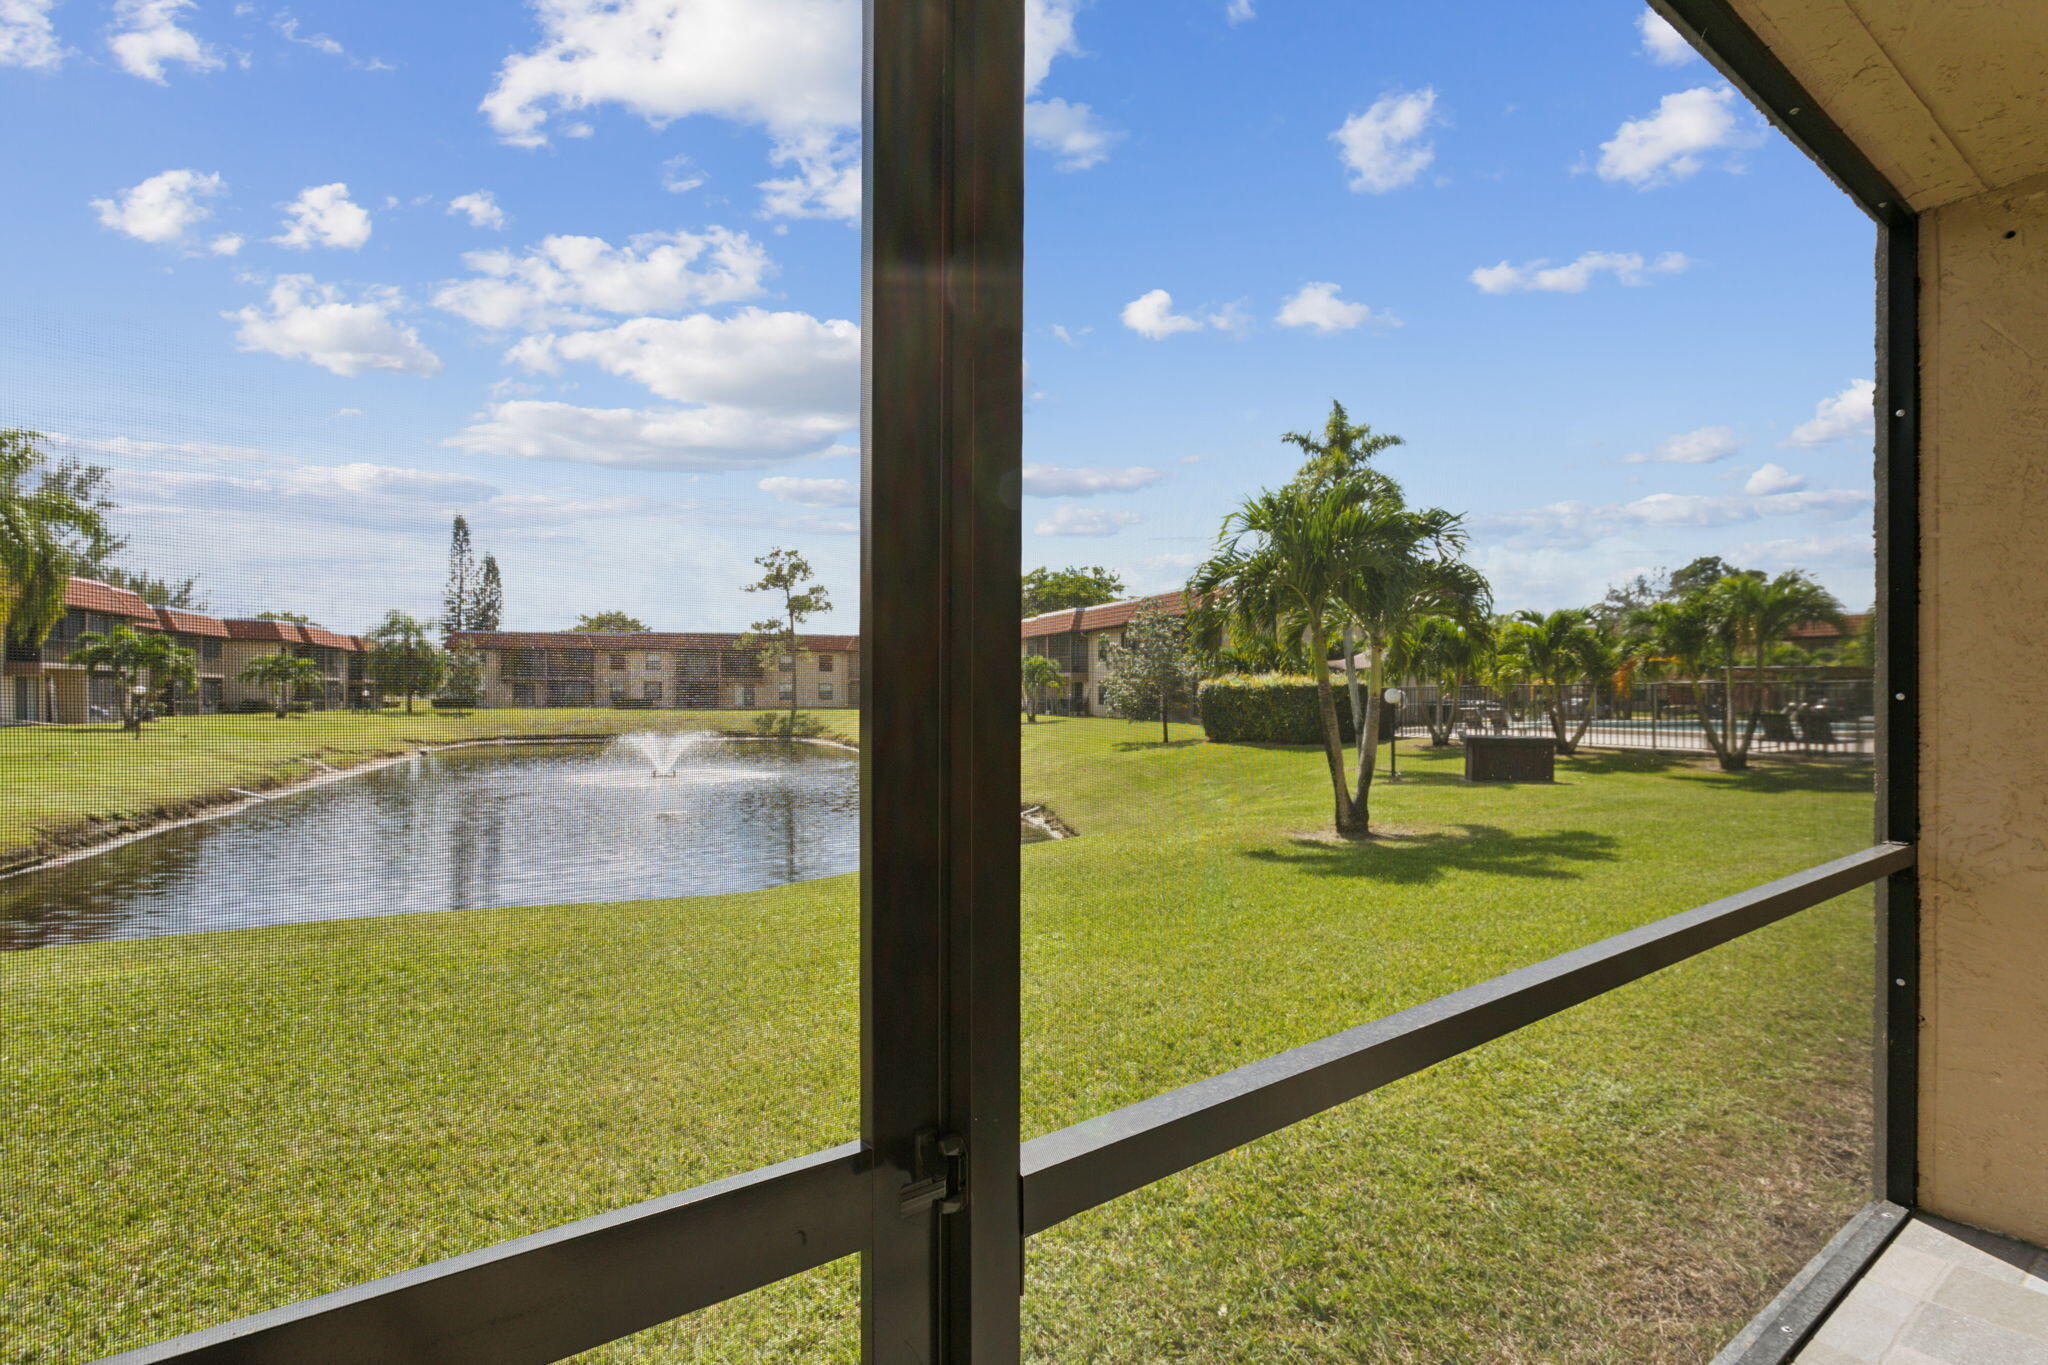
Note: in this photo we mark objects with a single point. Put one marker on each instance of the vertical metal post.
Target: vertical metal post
(941, 417)
(1897, 1066)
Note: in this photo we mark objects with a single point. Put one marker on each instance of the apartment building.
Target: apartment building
(43, 684)
(661, 670)
(1077, 639)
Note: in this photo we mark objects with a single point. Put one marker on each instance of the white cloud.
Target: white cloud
(1071, 131)
(679, 175)
(324, 215)
(1052, 481)
(1085, 521)
(288, 27)
(1151, 315)
(825, 182)
(1630, 268)
(625, 438)
(26, 36)
(1573, 524)
(1317, 306)
(789, 67)
(162, 208)
(1668, 145)
(782, 363)
(1704, 446)
(348, 412)
(565, 280)
(1383, 147)
(1239, 12)
(318, 323)
(1663, 44)
(813, 492)
(1848, 413)
(1773, 478)
(481, 208)
(227, 244)
(147, 36)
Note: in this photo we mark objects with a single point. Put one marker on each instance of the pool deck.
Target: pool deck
(1941, 1294)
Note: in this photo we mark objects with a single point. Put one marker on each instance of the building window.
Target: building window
(746, 696)
(1102, 648)
(824, 663)
(651, 692)
(618, 662)
(786, 693)
(786, 665)
(654, 663)
(824, 691)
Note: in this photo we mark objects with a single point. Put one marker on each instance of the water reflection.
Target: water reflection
(465, 829)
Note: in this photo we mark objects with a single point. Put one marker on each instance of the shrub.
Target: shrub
(1268, 708)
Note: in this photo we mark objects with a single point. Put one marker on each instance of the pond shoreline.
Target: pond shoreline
(94, 836)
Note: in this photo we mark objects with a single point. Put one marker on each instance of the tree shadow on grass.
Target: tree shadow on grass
(1417, 859)
(1778, 776)
(1124, 746)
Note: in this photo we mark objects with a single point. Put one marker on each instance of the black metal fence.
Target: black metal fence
(1799, 715)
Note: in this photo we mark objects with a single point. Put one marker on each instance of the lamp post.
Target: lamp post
(1393, 697)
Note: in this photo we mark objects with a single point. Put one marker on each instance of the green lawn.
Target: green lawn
(204, 1126)
(61, 784)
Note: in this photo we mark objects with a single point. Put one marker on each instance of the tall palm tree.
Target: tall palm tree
(1687, 638)
(1347, 449)
(1283, 562)
(1757, 614)
(1556, 651)
(51, 523)
(1446, 652)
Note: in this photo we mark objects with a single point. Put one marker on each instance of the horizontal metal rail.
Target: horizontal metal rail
(1103, 1158)
(556, 1293)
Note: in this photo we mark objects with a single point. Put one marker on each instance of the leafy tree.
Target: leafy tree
(458, 598)
(1344, 449)
(489, 609)
(1701, 574)
(1445, 652)
(130, 656)
(52, 523)
(1689, 639)
(464, 683)
(1074, 586)
(611, 623)
(1042, 678)
(785, 573)
(1556, 651)
(297, 618)
(1617, 610)
(1151, 673)
(404, 659)
(284, 673)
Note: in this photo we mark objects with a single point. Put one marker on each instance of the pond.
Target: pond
(466, 829)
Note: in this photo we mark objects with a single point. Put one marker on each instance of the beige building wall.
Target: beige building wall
(1984, 704)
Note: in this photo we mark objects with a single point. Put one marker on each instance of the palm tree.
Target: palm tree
(129, 656)
(284, 672)
(1042, 677)
(1283, 562)
(1444, 651)
(1554, 652)
(51, 525)
(1762, 612)
(1687, 638)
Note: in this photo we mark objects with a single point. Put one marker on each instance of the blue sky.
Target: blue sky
(312, 279)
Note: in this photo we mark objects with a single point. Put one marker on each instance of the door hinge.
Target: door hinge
(940, 1174)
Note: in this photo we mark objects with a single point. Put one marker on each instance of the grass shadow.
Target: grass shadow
(1418, 859)
(1774, 777)
(1124, 746)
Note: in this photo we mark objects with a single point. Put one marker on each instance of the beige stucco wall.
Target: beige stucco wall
(1984, 698)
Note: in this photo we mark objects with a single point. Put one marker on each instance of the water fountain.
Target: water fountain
(660, 752)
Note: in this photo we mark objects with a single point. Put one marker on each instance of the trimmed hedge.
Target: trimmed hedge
(1270, 708)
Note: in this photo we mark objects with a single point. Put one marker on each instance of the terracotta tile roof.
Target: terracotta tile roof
(572, 639)
(89, 594)
(190, 623)
(1103, 617)
(327, 639)
(277, 632)
(1852, 625)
